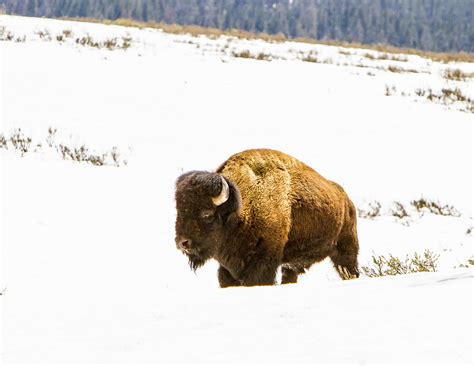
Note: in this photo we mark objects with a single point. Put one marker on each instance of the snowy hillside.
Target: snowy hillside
(90, 272)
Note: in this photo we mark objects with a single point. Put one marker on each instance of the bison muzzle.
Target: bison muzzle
(260, 210)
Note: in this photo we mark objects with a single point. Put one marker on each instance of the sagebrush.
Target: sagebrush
(23, 144)
(392, 266)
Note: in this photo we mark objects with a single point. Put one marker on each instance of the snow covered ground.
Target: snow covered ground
(88, 257)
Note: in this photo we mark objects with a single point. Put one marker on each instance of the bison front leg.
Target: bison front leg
(261, 269)
(263, 275)
(225, 278)
(289, 275)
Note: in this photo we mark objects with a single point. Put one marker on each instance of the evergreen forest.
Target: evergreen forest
(432, 25)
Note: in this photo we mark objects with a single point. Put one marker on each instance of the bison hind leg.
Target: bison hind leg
(345, 257)
(347, 274)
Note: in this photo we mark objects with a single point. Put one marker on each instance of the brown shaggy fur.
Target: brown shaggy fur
(280, 212)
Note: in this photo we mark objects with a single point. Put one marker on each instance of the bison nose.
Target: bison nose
(184, 244)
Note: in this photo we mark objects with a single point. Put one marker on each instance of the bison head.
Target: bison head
(205, 203)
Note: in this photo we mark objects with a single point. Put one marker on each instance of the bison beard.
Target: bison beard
(197, 259)
(195, 262)
(260, 210)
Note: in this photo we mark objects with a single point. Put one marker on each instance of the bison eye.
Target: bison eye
(207, 216)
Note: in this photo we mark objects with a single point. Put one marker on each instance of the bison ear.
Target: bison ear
(223, 196)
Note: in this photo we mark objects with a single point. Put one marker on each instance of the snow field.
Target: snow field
(89, 261)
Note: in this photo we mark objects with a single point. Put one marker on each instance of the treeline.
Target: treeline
(434, 25)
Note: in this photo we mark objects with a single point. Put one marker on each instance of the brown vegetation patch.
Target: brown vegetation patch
(261, 56)
(457, 75)
(392, 266)
(215, 33)
(386, 56)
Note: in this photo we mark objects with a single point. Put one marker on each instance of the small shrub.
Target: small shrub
(51, 136)
(369, 56)
(246, 54)
(385, 56)
(362, 66)
(399, 58)
(67, 33)
(457, 75)
(98, 160)
(110, 44)
(372, 212)
(3, 142)
(435, 207)
(454, 95)
(420, 92)
(399, 210)
(392, 266)
(425, 263)
(87, 41)
(390, 90)
(115, 155)
(81, 154)
(38, 147)
(263, 57)
(448, 97)
(310, 58)
(20, 142)
(393, 68)
(20, 39)
(242, 54)
(431, 96)
(44, 35)
(6, 35)
(469, 263)
(126, 42)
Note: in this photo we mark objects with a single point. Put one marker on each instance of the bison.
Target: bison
(260, 210)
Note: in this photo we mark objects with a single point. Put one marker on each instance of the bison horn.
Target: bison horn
(223, 196)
